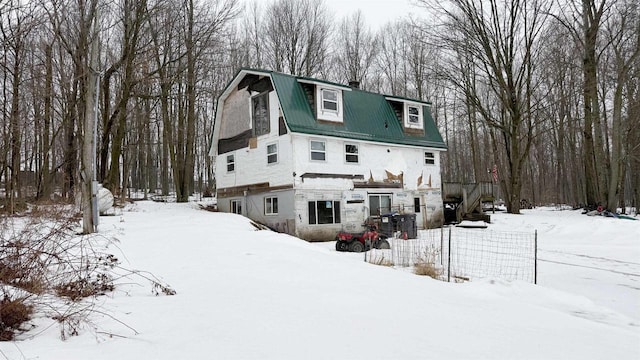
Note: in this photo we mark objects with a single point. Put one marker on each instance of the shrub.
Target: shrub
(427, 269)
(42, 255)
(13, 313)
(426, 264)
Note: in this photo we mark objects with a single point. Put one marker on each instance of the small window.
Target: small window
(318, 151)
(271, 206)
(351, 153)
(330, 100)
(236, 206)
(414, 115)
(272, 153)
(329, 103)
(260, 113)
(416, 205)
(429, 158)
(231, 163)
(324, 212)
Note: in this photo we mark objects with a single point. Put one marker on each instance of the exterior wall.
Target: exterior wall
(236, 116)
(251, 162)
(377, 162)
(253, 208)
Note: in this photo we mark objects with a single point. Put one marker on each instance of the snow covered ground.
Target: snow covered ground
(247, 294)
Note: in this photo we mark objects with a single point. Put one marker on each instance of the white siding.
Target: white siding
(251, 164)
(374, 160)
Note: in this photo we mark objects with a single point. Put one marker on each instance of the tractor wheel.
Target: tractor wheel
(356, 246)
(342, 246)
(383, 244)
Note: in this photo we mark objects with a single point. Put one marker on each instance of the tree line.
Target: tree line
(547, 90)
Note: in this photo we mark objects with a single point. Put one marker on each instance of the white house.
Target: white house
(310, 158)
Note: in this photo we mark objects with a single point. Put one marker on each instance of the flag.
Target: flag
(494, 173)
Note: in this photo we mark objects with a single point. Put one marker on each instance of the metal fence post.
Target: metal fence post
(441, 245)
(449, 258)
(535, 258)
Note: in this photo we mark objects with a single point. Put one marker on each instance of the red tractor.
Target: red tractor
(359, 242)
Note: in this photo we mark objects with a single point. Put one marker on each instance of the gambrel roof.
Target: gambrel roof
(367, 116)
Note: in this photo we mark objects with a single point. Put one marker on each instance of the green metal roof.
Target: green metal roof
(366, 116)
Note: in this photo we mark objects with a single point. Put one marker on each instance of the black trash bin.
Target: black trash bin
(404, 223)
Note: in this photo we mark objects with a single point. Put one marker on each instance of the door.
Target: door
(379, 204)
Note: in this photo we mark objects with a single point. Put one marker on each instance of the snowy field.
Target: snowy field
(247, 294)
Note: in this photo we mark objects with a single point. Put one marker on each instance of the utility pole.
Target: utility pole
(88, 166)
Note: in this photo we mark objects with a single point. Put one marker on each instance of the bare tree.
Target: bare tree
(357, 48)
(502, 39)
(296, 36)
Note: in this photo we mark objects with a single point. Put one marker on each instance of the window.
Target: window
(330, 100)
(260, 114)
(236, 206)
(351, 153)
(231, 163)
(329, 105)
(379, 204)
(429, 158)
(413, 116)
(318, 151)
(272, 153)
(271, 206)
(416, 205)
(324, 212)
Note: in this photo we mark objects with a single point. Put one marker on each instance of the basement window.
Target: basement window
(271, 206)
(324, 212)
(236, 206)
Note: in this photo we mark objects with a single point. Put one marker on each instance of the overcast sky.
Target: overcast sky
(376, 12)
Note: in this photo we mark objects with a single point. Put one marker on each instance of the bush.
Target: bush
(41, 254)
(427, 269)
(13, 313)
(426, 264)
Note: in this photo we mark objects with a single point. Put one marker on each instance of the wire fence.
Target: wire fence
(463, 254)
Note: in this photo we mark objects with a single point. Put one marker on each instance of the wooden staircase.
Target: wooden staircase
(468, 199)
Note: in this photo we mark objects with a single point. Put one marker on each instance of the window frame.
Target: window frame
(254, 126)
(271, 203)
(235, 206)
(429, 158)
(356, 154)
(231, 163)
(408, 116)
(269, 155)
(379, 196)
(325, 100)
(336, 217)
(327, 114)
(323, 152)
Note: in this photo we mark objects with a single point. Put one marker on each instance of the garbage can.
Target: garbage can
(387, 224)
(404, 223)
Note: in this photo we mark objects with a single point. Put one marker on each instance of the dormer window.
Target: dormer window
(413, 116)
(329, 102)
